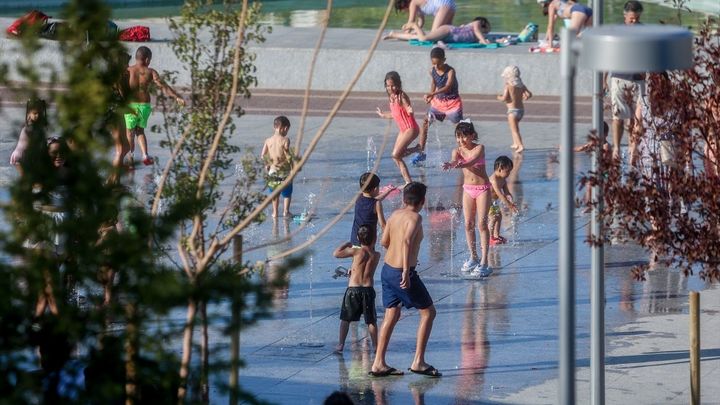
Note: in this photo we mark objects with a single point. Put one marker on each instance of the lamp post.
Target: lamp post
(597, 254)
(616, 48)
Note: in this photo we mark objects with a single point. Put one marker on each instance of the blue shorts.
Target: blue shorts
(286, 192)
(416, 296)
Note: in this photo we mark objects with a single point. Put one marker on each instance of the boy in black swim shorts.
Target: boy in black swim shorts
(359, 296)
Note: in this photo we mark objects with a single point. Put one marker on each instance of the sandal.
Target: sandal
(430, 372)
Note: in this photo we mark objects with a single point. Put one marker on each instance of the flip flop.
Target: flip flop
(385, 373)
(430, 372)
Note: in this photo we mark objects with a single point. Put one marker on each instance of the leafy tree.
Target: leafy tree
(667, 200)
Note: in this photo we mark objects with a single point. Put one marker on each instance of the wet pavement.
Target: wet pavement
(494, 340)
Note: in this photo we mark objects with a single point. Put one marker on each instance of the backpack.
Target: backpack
(529, 33)
(34, 17)
(138, 33)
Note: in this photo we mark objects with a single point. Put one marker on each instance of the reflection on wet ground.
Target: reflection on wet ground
(491, 338)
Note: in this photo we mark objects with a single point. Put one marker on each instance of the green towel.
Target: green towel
(456, 45)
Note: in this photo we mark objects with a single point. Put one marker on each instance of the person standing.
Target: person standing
(401, 285)
(626, 89)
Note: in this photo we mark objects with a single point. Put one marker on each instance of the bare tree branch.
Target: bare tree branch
(306, 99)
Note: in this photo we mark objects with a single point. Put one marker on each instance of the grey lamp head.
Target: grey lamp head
(636, 48)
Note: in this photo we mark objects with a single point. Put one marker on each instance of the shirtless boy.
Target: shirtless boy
(141, 76)
(359, 296)
(278, 162)
(401, 285)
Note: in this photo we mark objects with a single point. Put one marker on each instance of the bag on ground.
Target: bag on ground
(30, 19)
(138, 33)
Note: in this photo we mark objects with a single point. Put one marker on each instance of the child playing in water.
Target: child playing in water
(500, 193)
(278, 163)
(140, 77)
(470, 157)
(359, 296)
(513, 95)
(444, 99)
(402, 112)
(368, 206)
(35, 116)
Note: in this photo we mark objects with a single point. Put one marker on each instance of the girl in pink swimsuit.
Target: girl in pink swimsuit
(470, 157)
(401, 111)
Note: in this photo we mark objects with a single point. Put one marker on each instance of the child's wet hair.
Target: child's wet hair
(143, 52)
(414, 193)
(373, 182)
(281, 121)
(465, 129)
(484, 24)
(437, 53)
(365, 235)
(395, 77)
(503, 162)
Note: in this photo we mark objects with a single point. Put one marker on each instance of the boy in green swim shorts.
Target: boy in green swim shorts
(141, 77)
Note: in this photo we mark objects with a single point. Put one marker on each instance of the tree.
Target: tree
(667, 200)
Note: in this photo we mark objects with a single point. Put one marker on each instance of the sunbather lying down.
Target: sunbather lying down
(472, 32)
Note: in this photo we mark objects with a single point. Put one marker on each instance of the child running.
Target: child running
(141, 76)
(35, 118)
(359, 296)
(513, 95)
(278, 163)
(368, 206)
(402, 112)
(444, 99)
(500, 193)
(470, 157)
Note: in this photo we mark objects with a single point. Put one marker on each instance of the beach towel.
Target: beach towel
(544, 49)
(34, 17)
(457, 45)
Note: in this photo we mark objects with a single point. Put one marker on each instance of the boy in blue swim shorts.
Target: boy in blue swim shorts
(278, 162)
(401, 285)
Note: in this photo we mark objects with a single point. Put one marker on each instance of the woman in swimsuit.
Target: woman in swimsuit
(470, 157)
(402, 112)
(442, 10)
(578, 15)
(472, 32)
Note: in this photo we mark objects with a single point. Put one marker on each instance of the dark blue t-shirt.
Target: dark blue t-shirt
(365, 214)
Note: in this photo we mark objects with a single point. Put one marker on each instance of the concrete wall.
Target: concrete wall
(282, 62)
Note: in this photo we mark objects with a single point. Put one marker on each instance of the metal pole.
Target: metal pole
(566, 257)
(597, 256)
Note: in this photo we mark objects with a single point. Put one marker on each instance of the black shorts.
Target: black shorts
(358, 301)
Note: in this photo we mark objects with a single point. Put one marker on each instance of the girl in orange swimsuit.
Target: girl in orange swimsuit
(402, 112)
(470, 157)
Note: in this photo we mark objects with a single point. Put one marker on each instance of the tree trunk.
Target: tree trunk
(204, 355)
(235, 328)
(187, 350)
(131, 355)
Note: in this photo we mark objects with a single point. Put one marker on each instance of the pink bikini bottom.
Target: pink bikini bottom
(475, 190)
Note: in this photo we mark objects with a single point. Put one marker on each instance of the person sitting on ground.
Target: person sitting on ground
(472, 32)
(443, 12)
(579, 16)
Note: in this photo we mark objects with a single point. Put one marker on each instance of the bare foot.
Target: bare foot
(288, 214)
(389, 35)
(513, 146)
(520, 148)
(339, 348)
